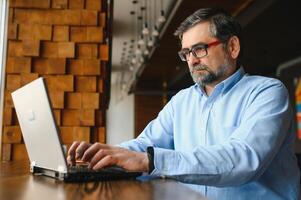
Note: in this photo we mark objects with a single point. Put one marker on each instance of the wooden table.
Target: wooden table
(16, 182)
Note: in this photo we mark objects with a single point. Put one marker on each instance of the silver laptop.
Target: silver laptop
(42, 140)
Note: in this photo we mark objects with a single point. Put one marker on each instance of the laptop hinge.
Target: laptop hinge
(32, 166)
(47, 172)
(61, 169)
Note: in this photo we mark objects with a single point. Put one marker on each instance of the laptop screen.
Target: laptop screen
(38, 126)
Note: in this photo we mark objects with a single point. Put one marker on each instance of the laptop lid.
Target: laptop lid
(38, 126)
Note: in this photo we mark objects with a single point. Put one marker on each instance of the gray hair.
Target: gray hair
(222, 25)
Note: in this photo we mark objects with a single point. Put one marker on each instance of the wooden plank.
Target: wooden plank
(86, 34)
(56, 99)
(60, 82)
(13, 82)
(66, 134)
(87, 117)
(28, 77)
(11, 134)
(102, 19)
(90, 100)
(70, 117)
(85, 84)
(56, 66)
(57, 116)
(91, 67)
(12, 31)
(86, 51)
(19, 152)
(8, 102)
(73, 100)
(93, 5)
(59, 4)
(104, 52)
(34, 32)
(72, 17)
(78, 117)
(47, 17)
(7, 116)
(100, 85)
(102, 134)
(6, 152)
(30, 3)
(76, 67)
(11, 15)
(66, 49)
(31, 47)
(71, 134)
(81, 134)
(76, 4)
(15, 48)
(61, 33)
(18, 65)
(94, 34)
(82, 100)
(58, 49)
(49, 49)
(89, 18)
(49, 65)
(78, 34)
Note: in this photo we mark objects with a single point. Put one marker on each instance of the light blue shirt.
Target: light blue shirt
(236, 143)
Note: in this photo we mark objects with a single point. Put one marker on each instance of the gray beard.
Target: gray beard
(203, 79)
(210, 76)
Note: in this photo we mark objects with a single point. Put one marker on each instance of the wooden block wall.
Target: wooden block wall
(62, 41)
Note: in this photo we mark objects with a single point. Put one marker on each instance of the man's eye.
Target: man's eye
(199, 49)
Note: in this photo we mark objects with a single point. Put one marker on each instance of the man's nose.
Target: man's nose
(192, 60)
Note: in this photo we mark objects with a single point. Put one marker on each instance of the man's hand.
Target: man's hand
(101, 155)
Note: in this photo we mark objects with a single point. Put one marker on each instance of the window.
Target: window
(3, 41)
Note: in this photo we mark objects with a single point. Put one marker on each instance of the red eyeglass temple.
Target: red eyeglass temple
(214, 43)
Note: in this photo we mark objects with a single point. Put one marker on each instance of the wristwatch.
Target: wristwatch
(150, 155)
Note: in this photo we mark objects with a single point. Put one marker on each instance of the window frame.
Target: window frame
(3, 52)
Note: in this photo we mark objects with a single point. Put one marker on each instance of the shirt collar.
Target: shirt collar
(226, 84)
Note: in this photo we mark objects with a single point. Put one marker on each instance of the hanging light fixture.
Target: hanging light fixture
(139, 25)
(131, 58)
(134, 60)
(132, 13)
(150, 42)
(141, 41)
(155, 32)
(145, 30)
(141, 60)
(138, 50)
(146, 52)
(162, 18)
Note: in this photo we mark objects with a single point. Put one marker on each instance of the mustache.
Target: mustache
(200, 67)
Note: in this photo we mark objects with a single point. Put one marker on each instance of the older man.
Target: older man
(229, 136)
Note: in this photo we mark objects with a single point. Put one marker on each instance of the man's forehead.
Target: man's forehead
(196, 34)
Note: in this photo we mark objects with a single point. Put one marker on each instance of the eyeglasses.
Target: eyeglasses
(198, 50)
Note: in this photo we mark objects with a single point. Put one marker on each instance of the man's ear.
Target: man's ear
(233, 47)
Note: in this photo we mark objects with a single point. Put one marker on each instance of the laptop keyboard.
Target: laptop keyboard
(80, 168)
(83, 174)
(84, 169)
